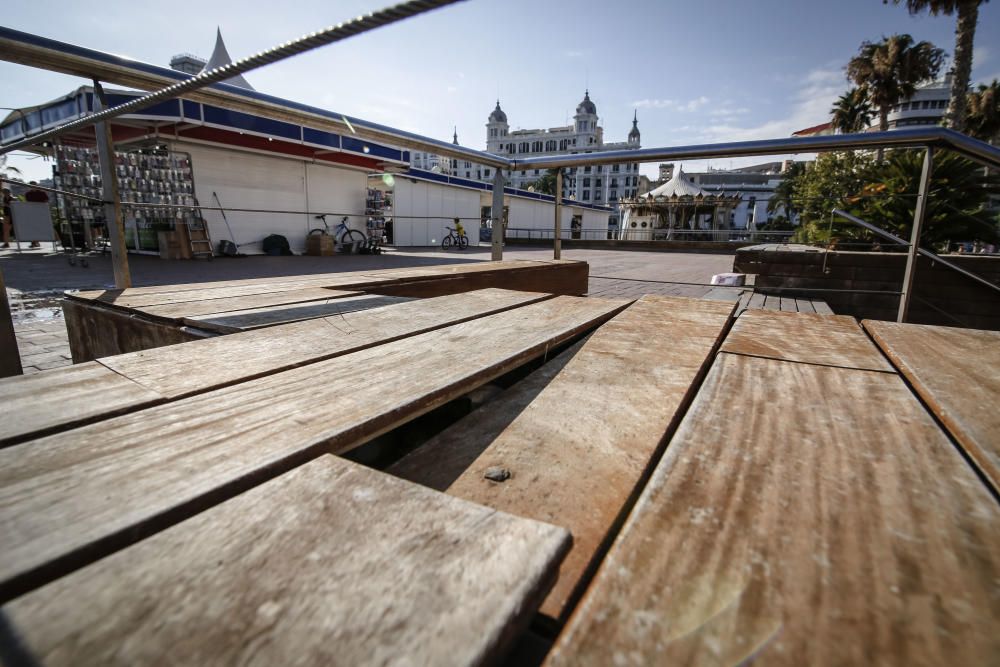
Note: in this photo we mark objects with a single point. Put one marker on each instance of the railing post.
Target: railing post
(557, 241)
(918, 227)
(10, 356)
(109, 192)
(496, 215)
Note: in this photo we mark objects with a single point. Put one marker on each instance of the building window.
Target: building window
(586, 195)
(597, 183)
(486, 173)
(613, 194)
(614, 182)
(586, 169)
(523, 147)
(586, 182)
(536, 147)
(614, 168)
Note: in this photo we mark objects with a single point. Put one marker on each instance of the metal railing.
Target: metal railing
(48, 54)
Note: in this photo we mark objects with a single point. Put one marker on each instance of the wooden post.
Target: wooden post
(112, 201)
(497, 216)
(557, 239)
(10, 357)
(918, 227)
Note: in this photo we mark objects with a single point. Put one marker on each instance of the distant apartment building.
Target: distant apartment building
(927, 106)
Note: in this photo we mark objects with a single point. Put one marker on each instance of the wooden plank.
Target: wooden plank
(72, 497)
(51, 400)
(756, 301)
(256, 318)
(330, 563)
(835, 340)
(221, 361)
(772, 302)
(96, 331)
(55, 400)
(822, 308)
(723, 294)
(957, 374)
(821, 518)
(789, 304)
(131, 301)
(193, 309)
(804, 306)
(568, 436)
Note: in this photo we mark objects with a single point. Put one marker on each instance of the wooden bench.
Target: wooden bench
(110, 322)
(66, 506)
(957, 374)
(577, 439)
(57, 399)
(808, 510)
(768, 487)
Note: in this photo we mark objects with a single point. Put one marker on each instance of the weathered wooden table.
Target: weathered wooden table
(608, 482)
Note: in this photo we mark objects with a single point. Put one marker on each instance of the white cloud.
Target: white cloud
(674, 105)
(980, 55)
(729, 111)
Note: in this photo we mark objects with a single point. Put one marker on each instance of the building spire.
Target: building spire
(454, 137)
(220, 57)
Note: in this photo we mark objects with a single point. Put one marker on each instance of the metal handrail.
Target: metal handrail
(926, 253)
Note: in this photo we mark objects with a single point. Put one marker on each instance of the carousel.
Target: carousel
(678, 210)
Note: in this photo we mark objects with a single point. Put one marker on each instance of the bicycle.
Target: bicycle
(454, 238)
(342, 234)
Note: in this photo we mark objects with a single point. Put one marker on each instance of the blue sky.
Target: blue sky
(697, 72)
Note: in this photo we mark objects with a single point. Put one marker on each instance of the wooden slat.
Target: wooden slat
(756, 301)
(820, 518)
(822, 308)
(804, 306)
(46, 401)
(54, 400)
(772, 302)
(216, 362)
(957, 373)
(75, 496)
(835, 340)
(255, 318)
(332, 563)
(189, 296)
(225, 305)
(578, 451)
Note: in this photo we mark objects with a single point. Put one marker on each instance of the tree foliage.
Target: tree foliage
(852, 112)
(891, 69)
(884, 194)
(965, 33)
(983, 120)
(547, 183)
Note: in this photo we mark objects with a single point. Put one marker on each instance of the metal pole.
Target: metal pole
(557, 241)
(918, 228)
(10, 357)
(112, 200)
(496, 215)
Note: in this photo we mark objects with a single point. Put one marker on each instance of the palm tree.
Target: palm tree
(852, 112)
(983, 119)
(965, 33)
(890, 71)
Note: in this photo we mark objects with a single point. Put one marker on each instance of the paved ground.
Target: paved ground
(36, 280)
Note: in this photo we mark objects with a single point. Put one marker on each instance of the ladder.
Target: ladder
(201, 243)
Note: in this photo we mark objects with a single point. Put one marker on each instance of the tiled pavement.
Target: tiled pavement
(34, 280)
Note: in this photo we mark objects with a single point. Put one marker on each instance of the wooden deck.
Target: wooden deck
(664, 481)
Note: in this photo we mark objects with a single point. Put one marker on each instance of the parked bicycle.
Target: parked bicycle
(456, 237)
(342, 234)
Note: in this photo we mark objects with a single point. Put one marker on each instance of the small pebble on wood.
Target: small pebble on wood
(497, 474)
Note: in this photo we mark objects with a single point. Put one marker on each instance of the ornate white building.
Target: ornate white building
(603, 185)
